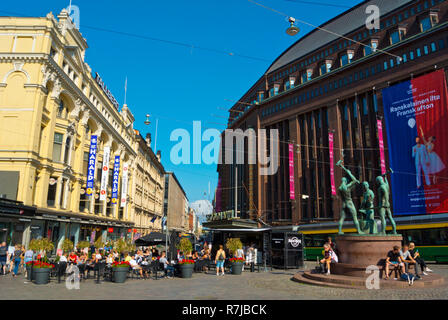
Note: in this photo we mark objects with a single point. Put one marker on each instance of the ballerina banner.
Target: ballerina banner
(416, 114)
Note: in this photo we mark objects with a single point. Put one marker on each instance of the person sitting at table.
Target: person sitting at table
(90, 265)
(63, 258)
(82, 260)
(116, 255)
(72, 258)
(127, 258)
(195, 256)
(169, 269)
(110, 259)
(206, 258)
(135, 266)
(180, 256)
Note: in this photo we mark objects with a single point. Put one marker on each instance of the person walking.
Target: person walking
(3, 257)
(17, 259)
(219, 259)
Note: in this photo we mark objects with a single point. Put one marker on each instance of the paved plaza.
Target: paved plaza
(272, 285)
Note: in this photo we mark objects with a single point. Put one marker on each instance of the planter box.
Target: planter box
(29, 273)
(237, 268)
(119, 275)
(186, 270)
(41, 275)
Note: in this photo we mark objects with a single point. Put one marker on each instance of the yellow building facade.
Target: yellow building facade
(50, 109)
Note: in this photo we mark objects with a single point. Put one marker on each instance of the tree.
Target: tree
(185, 246)
(233, 244)
(67, 245)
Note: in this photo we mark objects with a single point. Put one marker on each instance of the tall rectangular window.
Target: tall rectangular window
(57, 146)
(51, 195)
(425, 24)
(344, 60)
(394, 37)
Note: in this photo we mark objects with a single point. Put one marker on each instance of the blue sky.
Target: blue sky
(176, 84)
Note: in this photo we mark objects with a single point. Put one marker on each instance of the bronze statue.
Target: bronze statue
(367, 209)
(345, 191)
(384, 204)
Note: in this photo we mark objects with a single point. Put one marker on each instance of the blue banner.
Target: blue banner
(91, 166)
(416, 113)
(115, 179)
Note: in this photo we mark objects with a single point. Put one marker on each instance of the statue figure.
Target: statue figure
(367, 209)
(345, 191)
(384, 204)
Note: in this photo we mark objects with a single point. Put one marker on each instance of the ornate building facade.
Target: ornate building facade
(51, 112)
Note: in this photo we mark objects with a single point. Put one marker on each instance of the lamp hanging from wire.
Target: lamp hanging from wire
(292, 30)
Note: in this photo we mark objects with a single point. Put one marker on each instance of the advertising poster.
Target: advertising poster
(91, 167)
(124, 185)
(115, 176)
(330, 146)
(416, 115)
(105, 173)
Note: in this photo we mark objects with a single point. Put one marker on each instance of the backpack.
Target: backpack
(408, 277)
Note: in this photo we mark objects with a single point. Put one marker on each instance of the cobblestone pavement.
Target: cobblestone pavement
(273, 285)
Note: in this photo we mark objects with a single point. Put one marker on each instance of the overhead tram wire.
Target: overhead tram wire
(325, 30)
(320, 4)
(171, 42)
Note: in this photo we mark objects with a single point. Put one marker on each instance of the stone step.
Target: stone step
(430, 281)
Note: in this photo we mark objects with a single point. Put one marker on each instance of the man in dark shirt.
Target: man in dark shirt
(394, 260)
(3, 255)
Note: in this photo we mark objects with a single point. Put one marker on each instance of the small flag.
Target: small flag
(164, 221)
(153, 219)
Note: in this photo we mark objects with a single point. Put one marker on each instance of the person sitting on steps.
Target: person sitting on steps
(329, 257)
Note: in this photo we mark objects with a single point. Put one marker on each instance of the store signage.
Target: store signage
(105, 173)
(330, 146)
(295, 242)
(115, 179)
(124, 185)
(416, 117)
(381, 145)
(291, 172)
(106, 91)
(91, 167)
(110, 230)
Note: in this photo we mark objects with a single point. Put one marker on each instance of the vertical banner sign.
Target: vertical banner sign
(381, 144)
(218, 197)
(92, 237)
(115, 179)
(330, 146)
(124, 184)
(105, 173)
(416, 114)
(91, 167)
(291, 172)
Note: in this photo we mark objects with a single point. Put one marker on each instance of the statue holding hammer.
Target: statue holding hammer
(345, 192)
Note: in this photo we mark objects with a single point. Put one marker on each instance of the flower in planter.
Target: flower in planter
(236, 260)
(42, 265)
(186, 261)
(121, 264)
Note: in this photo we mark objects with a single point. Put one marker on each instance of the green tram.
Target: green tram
(429, 233)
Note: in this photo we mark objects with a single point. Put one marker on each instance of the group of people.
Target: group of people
(397, 258)
(14, 258)
(402, 258)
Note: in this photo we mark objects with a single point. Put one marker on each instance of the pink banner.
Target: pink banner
(291, 172)
(330, 144)
(381, 143)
